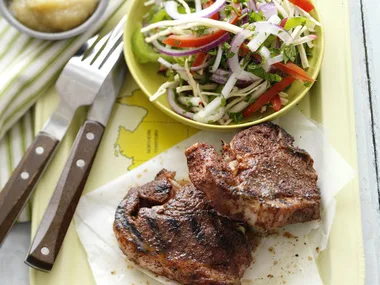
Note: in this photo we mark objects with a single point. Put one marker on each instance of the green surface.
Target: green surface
(149, 80)
(330, 103)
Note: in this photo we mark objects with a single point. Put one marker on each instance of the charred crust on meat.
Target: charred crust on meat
(180, 235)
(261, 178)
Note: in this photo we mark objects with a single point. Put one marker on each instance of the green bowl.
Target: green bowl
(148, 78)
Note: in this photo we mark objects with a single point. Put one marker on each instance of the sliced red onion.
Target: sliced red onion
(276, 59)
(233, 62)
(184, 52)
(222, 72)
(264, 29)
(220, 76)
(176, 108)
(218, 59)
(268, 10)
(305, 39)
(244, 20)
(218, 79)
(171, 8)
(252, 5)
(265, 54)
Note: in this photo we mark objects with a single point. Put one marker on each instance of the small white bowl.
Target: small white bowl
(98, 13)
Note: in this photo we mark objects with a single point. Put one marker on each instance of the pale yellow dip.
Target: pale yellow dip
(53, 15)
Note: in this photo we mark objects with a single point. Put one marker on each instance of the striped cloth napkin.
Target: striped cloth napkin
(28, 67)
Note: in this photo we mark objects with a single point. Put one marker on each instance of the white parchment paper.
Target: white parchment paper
(286, 258)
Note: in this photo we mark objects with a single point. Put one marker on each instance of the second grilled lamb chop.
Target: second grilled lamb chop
(261, 178)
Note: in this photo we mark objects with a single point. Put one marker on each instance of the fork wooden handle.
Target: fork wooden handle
(23, 180)
(58, 215)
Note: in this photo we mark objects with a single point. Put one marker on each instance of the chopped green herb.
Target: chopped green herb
(290, 53)
(212, 52)
(228, 10)
(201, 30)
(230, 55)
(219, 89)
(224, 102)
(307, 84)
(211, 98)
(226, 46)
(274, 52)
(180, 60)
(309, 51)
(270, 40)
(236, 117)
(171, 74)
(248, 98)
(260, 72)
(256, 17)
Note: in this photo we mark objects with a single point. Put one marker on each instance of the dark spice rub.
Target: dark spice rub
(171, 230)
(261, 178)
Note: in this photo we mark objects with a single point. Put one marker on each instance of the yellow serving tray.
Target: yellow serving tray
(138, 131)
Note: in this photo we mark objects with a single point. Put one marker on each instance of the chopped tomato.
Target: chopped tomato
(208, 4)
(199, 59)
(268, 95)
(194, 41)
(303, 4)
(294, 70)
(276, 103)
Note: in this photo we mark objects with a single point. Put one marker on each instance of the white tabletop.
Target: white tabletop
(365, 27)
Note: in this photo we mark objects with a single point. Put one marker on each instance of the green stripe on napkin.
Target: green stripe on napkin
(29, 66)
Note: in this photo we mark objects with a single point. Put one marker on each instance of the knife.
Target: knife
(77, 86)
(58, 215)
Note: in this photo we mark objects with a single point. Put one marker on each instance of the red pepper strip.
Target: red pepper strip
(194, 41)
(208, 4)
(199, 59)
(294, 70)
(244, 50)
(303, 4)
(268, 96)
(283, 22)
(276, 103)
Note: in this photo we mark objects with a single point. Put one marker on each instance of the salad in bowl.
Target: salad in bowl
(225, 61)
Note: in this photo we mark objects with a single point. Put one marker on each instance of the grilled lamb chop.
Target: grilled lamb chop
(171, 230)
(261, 178)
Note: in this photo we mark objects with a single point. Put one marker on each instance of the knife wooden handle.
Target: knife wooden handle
(59, 213)
(23, 180)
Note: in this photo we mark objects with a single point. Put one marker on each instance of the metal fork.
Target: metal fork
(78, 85)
